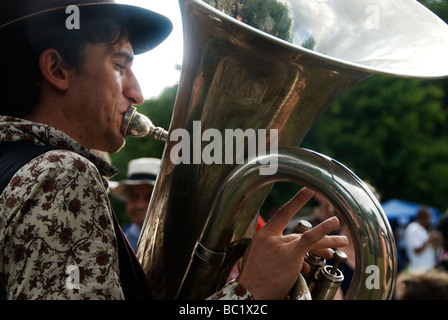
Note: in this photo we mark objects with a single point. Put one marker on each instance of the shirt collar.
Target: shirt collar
(16, 130)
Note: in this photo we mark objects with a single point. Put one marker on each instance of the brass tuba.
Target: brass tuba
(237, 77)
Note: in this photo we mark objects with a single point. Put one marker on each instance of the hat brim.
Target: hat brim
(146, 29)
(117, 188)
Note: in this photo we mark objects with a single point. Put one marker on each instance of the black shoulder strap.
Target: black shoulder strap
(15, 156)
(133, 279)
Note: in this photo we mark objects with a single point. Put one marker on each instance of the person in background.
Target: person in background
(234, 11)
(420, 243)
(245, 15)
(432, 284)
(136, 191)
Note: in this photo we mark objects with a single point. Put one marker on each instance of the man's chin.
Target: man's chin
(119, 147)
(114, 145)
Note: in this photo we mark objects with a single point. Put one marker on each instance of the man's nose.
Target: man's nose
(132, 90)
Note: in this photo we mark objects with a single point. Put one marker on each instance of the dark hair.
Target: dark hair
(21, 78)
(423, 212)
(246, 15)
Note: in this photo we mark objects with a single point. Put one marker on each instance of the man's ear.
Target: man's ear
(54, 69)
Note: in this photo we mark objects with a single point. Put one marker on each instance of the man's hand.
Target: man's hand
(273, 262)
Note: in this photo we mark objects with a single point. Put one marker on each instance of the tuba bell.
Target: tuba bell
(238, 77)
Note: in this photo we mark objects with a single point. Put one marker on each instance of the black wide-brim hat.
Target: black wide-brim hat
(32, 21)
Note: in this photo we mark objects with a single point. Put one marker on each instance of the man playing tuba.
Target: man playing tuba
(67, 85)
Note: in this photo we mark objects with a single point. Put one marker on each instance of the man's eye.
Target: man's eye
(120, 66)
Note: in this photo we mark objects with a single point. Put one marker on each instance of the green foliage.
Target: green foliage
(440, 7)
(392, 133)
(271, 16)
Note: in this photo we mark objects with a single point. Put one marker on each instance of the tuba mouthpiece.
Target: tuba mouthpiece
(138, 125)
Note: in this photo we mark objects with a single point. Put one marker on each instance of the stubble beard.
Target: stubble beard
(112, 140)
(114, 143)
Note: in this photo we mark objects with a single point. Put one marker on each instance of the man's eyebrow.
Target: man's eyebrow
(125, 55)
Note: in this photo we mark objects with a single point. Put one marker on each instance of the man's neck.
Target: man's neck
(52, 113)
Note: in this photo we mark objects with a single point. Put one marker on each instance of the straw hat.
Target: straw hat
(31, 21)
(140, 171)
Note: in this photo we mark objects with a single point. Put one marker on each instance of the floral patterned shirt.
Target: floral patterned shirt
(57, 239)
